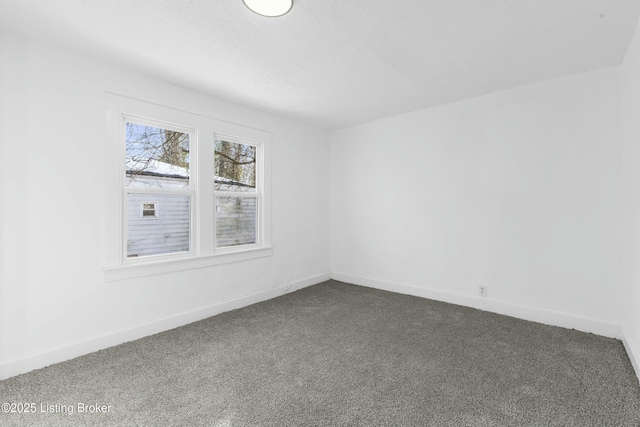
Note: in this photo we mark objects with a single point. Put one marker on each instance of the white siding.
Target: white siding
(235, 221)
(168, 232)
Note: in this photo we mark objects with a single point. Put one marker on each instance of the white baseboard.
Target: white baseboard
(547, 317)
(309, 281)
(39, 360)
(632, 351)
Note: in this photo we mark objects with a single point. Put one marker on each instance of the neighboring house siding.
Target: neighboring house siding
(166, 233)
(235, 221)
(169, 231)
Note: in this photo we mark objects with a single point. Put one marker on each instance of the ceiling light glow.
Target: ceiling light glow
(271, 8)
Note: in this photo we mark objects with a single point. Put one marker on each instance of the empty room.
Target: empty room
(320, 213)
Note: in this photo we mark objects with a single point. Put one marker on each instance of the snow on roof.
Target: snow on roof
(156, 168)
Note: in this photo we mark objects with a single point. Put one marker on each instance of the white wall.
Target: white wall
(53, 302)
(517, 190)
(630, 155)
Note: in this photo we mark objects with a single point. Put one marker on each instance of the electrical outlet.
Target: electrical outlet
(483, 291)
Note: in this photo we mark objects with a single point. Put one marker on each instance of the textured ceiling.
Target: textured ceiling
(336, 63)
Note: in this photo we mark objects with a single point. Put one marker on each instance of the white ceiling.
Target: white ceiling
(336, 63)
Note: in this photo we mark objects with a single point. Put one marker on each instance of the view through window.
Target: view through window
(237, 197)
(157, 165)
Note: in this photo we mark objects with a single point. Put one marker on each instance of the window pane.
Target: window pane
(168, 232)
(156, 157)
(235, 167)
(235, 221)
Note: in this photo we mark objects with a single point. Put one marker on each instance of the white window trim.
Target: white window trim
(203, 252)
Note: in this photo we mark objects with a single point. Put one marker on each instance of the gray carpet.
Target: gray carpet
(338, 354)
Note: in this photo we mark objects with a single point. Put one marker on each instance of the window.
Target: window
(156, 163)
(148, 209)
(211, 179)
(237, 193)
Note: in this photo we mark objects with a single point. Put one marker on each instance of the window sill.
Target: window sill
(131, 271)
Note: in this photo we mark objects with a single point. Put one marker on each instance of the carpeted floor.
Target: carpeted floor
(337, 354)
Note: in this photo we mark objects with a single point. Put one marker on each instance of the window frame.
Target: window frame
(203, 131)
